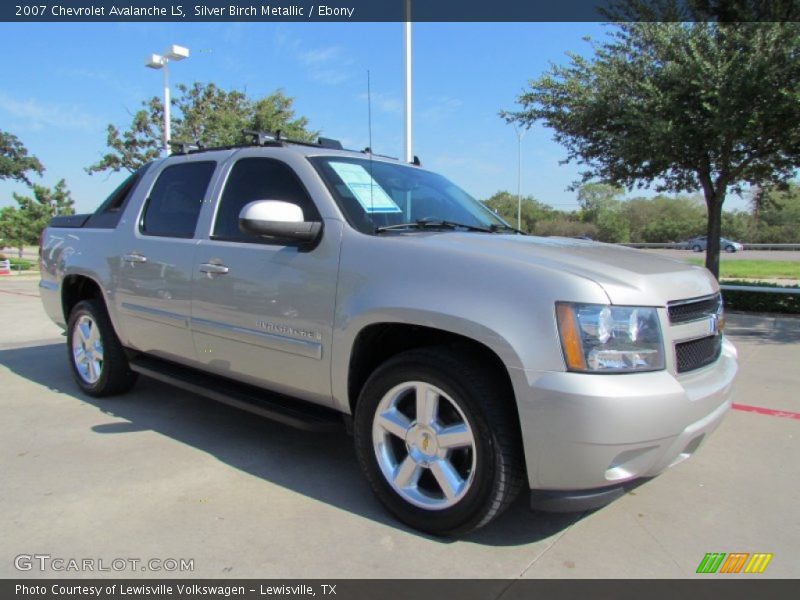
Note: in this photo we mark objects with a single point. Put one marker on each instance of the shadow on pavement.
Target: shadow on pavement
(320, 466)
(763, 329)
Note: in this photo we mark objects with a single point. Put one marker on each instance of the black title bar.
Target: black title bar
(388, 10)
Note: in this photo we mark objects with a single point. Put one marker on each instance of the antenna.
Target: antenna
(369, 113)
(369, 133)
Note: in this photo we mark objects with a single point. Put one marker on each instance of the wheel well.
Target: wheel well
(377, 343)
(76, 288)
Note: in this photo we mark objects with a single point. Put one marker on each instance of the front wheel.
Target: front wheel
(696, 248)
(438, 440)
(99, 365)
(730, 249)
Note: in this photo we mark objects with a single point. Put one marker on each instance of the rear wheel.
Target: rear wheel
(438, 441)
(729, 248)
(696, 248)
(99, 365)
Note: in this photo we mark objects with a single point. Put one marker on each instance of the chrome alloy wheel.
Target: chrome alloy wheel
(424, 445)
(87, 349)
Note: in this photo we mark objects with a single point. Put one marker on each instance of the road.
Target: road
(782, 255)
(160, 473)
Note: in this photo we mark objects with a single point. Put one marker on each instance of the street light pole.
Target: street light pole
(159, 61)
(520, 134)
(409, 153)
(167, 128)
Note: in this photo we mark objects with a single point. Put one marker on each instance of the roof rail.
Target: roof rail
(368, 150)
(267, 138)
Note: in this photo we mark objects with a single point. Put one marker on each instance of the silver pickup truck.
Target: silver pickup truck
(318, 286)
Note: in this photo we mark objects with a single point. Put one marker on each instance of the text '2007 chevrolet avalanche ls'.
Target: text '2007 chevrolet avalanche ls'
(318, 286)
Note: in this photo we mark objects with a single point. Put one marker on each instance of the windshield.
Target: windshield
(376, 194)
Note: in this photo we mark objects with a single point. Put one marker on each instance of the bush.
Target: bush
(566, 228)
(761, 301)
(19, 264)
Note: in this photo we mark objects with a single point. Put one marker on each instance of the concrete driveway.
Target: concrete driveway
(161, 474)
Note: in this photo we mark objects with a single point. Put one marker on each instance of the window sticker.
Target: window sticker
(372, 197)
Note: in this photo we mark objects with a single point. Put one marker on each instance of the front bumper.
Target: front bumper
(587, 436)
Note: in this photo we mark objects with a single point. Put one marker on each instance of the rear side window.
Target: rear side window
(176, 199)
(258, 179)
(107, 216)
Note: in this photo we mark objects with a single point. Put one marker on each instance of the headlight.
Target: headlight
(600, 338)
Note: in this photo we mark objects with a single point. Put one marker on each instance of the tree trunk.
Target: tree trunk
(714, 203)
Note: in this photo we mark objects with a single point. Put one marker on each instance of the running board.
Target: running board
(289, 411)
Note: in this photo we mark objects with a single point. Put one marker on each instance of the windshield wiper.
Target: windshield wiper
(503, 227)
(432, 224)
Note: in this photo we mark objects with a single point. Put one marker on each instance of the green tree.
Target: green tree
(204, 114)
(601, 204)
(664, 218)
(595, 197)
(690, 106)
(777, 214)
(136, 146)
(532, 211)
(21, 225)
(15, 162)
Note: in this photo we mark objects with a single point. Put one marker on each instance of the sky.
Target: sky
(65, 82)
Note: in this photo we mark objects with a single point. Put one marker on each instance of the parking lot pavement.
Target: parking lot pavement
(161, 474)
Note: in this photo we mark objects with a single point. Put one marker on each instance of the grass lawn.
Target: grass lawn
(755, 269)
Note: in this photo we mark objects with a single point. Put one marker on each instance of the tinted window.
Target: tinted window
(108, 214)
(258, 179)
(176, 199)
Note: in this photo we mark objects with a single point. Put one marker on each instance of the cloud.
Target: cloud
(120, 85)
(385, 103)
(472, 164)
(35, 115)
(327, 65)
(440, 108)
(234, 33)
(319, 56)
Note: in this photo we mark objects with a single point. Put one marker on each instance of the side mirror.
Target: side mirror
(278, 219)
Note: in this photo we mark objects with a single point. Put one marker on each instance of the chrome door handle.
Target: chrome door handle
(134, 258)
(213, 269)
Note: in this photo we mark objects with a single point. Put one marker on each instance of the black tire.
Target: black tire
(115, 375)
(486, 400)
(696, 248)
(730, 249)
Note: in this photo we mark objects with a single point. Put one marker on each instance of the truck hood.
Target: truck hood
(628, 276)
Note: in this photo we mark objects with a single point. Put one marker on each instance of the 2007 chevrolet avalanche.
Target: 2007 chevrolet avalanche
(314, 285)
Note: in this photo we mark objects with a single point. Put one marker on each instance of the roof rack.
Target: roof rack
(185, 147)
(267, 138)
(262, 138)
(330, 143)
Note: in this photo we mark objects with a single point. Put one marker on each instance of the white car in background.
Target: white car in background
(700, 243)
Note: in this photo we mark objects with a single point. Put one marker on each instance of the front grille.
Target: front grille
(697, 353)
(695, 309)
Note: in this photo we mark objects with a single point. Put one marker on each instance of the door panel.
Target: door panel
(156, 264)
(268, 319)
(154, 297)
